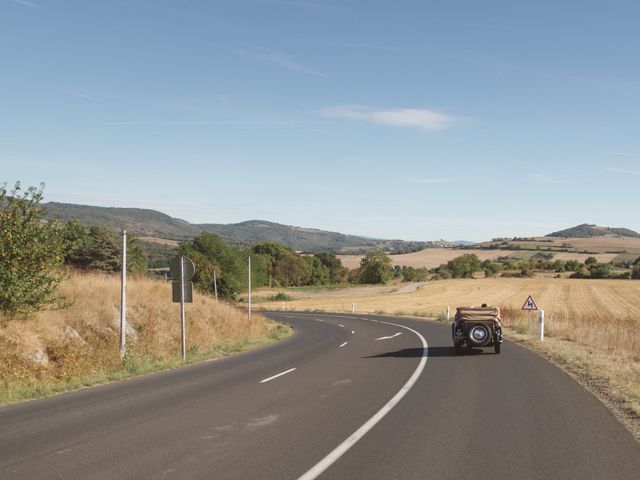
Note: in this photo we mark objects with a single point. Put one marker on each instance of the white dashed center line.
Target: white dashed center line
(277, 375)
(343, 344)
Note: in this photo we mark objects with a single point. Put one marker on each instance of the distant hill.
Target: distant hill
(151, 223)
(586, 230)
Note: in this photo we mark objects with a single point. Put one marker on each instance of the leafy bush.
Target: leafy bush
(31, 252)
(280, 297)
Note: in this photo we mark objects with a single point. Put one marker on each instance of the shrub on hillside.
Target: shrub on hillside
(31, 252)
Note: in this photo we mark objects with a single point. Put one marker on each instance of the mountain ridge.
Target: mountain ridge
(152, 223)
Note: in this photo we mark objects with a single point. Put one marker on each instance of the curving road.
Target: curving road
(346, 397)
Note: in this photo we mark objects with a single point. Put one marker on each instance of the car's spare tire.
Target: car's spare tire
(479, 335)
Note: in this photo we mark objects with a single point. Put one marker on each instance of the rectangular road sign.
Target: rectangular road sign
(188, 291)
(530, 304)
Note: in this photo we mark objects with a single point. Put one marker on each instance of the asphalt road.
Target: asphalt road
(355, 398)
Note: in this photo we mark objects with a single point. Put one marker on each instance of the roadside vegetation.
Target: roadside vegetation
(59, 308)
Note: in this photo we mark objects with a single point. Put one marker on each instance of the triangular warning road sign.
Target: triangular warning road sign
(529, 304)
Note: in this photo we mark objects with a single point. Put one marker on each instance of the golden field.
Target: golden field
(78, 343)
(434, 257)
(572, 306)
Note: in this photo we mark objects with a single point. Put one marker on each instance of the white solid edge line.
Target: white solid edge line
(278, 375)
(341, 449)
(343, 344)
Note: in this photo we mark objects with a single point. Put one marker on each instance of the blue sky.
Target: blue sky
(415, 120)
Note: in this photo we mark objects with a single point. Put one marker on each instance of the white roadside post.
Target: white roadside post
(353, 308)
(215, 285)
(448, 313)
(123, 297)
(182, 320)
(541, 322)
(249, 288)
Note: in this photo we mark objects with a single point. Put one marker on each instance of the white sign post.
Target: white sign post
(123, 297)
(541, 323)
(529, 305)
(249, 288)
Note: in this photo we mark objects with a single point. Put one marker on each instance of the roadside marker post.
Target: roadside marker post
(353, 308)
(182, 270)
(249, 288)
(215, 285)
(541, 324)
(123, 297)
(448, 313)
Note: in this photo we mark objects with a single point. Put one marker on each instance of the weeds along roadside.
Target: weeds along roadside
(77, 344)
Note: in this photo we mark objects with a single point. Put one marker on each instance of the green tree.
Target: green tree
(319, 272)
(375, 268)
(31, 252)
(270, 252)
(635, 273)
(210, 252)
(590, 261)
(291, 270)
(337, 272)
(464, 266)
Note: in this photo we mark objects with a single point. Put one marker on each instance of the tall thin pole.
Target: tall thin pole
(249, 288)
(182, 322)
(215, 285)
(123, 296)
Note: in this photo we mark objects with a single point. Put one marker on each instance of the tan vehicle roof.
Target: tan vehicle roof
(478, 314)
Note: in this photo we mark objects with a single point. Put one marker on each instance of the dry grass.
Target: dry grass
(65, 348)
(603, 313)
(593, 325)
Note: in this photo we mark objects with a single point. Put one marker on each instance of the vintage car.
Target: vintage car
(477, 327)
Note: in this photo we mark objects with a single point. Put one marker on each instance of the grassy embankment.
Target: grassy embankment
(592, 326)
(77, 345)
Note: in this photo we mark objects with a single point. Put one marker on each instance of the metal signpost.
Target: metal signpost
(182, 270)
(123, 297)
(529, 306)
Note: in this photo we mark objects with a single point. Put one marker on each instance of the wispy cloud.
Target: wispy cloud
(622, 170)
(206, 123)
(430, 181)
(615, 154)
(544, 179)
(282, 60)
(25, 3)
(421, 119)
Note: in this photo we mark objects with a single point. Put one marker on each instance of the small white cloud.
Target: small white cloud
(421, 119)
(622, 170)
(25, 3)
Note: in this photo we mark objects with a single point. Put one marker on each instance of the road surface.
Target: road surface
(346, 397)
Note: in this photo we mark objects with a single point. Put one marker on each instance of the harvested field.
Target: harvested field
(429, 257)
(602, 313)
